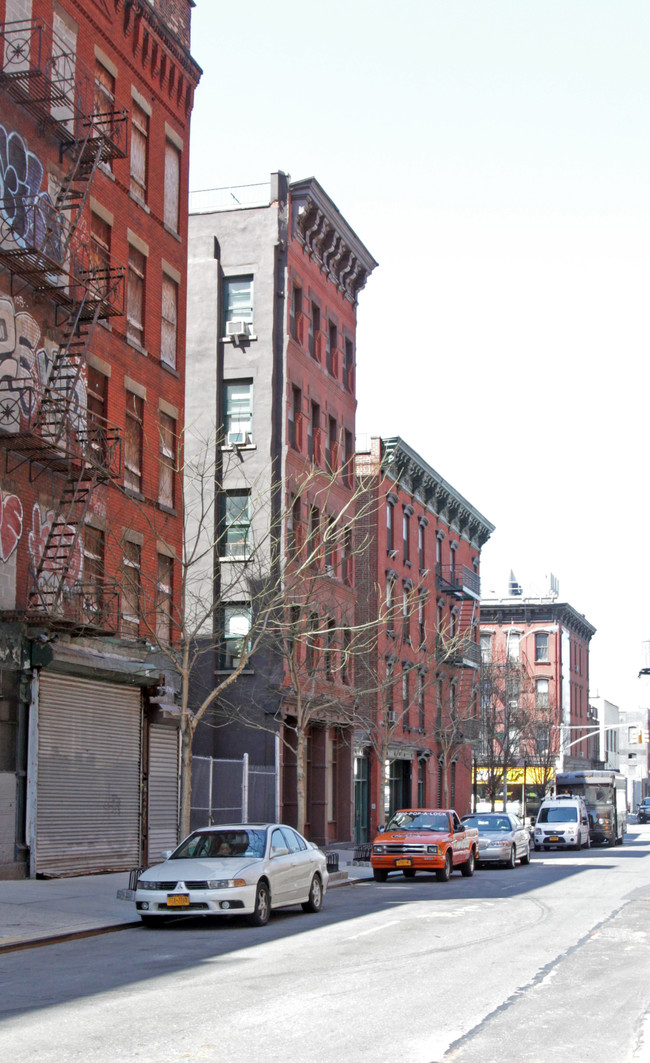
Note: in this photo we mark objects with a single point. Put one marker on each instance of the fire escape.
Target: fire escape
(462, 584)
(44, 419)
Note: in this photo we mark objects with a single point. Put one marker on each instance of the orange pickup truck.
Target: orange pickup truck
(424, 839)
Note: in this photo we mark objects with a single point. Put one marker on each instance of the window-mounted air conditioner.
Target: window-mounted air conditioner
(329, 570)
(238, 439)
(237, 329)
(392, 717)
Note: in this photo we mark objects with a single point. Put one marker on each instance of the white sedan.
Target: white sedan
(235, 869)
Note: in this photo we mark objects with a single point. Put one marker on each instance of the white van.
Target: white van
(562, 823)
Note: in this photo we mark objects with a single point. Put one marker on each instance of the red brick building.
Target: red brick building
(95, 102)
(419, 571)
(541, 647)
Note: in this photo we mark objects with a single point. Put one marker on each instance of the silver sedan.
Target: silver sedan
(235, 869)
(502, 838)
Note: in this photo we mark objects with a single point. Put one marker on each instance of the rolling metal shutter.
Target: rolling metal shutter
(88, 776)
(162, 806)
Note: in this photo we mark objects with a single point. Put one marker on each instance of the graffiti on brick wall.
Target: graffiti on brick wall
(11, 525)
(27, 214)
(26, 361)
(37, 540)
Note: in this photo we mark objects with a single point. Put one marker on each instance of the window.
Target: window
(139, 151)
(167, 466)
(295, 419)
(294, 530)
(313, 546)
(346, 558)
(420, 699)
(131, 589)
(421, 527)
(236, 524)
(541, 693)
(406, 547)
(172, 186)
(169, 317)
(406, 612)
(329, 540)
(345, 656)
(405, 695)
(388, 689)
(348, 366)
(238, 411)
(331, 351)
(93, 556)
(486, 648)
(390, 603)
(295, 314)
(541, 646)
(100, 252)
(390, 526)
(312, 644)
(330, 635)
(512, 645)
(96, 392)
(332, 450)
(135, 296)
(314, 331)
(348, 468)
(164, 588)
(235, 625)
(313, 433)
(422, 633)
(104, 99)
(238, 300)
(133, 442)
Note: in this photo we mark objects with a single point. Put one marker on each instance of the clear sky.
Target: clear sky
(494, 157)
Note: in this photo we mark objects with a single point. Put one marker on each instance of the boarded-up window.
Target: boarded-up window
(104, 102)
(100, 253)
(135, 297)
(131, 590)
(93, 556)
(172, 185)
(133, 442)
(139, 142)
(168, 322)
(167, 460)
(96, 404)
(164, 598)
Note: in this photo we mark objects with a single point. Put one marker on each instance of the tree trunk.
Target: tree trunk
(301, 781)
(185, 802)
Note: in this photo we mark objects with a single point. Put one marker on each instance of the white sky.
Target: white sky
(493, 155)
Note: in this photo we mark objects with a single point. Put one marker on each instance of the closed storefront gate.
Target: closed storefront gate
(87, 816)
(162, 804)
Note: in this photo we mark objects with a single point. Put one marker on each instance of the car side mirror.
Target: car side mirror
(279, 852)
(166, 853)
(381, 828)
(461, 826)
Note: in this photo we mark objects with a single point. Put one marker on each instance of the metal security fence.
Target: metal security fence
(232, 791)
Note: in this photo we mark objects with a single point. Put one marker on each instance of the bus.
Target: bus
(605, 795)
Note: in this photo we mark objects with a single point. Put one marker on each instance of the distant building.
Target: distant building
(419, 570)
(275, 272)
(95, 102)
(538, 651)
(608, 722)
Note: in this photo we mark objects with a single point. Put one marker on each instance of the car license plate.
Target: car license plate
(554, 838)
(405, 862)
(178, 900)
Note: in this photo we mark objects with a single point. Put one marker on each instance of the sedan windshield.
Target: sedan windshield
(419, 821)
(222, 843)
(500, 823)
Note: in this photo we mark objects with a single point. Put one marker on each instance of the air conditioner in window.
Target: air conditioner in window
(238, 439)
(329, 570)
(237, 329)
(392, 717)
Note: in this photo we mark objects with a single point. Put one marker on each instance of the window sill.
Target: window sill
(137, 347)
(169, 369)
(139, 201)
(229, 671)
(132, 493)
(238, 341)
(169, 510)
(236, 560)
(172, 232)
(231, 447)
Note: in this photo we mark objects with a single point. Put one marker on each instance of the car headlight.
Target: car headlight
(379, 848)
(504, 844)
(225, 883)
(144, 885)
(433, 848)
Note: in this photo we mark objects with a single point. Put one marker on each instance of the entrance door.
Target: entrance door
(399, 785)
(361, 800)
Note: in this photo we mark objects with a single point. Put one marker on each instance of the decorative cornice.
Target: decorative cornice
(404, 465)
(326, 237)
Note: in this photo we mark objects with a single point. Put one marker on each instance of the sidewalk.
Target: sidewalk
(36, 911)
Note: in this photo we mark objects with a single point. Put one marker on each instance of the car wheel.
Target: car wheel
(587, 844)
(526, 857)
(152, 922)
(260, 916)
(315, 901)
(409, 872)
(512, 859)
(467, 869)
(379, 874)
(443, 874)
(537, 848)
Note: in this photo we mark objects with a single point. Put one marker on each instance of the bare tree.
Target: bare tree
(507, 718)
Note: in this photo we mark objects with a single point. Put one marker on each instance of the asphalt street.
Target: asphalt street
(540, 964)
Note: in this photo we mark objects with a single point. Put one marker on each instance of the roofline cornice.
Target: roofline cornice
(401, 462)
